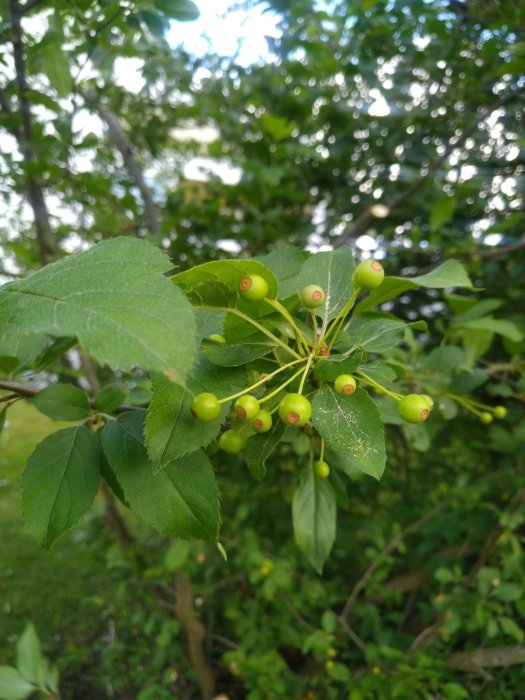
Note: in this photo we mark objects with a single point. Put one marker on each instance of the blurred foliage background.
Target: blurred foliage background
(393, 127)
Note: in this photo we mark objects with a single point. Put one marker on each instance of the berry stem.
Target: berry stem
(314, 326)
(280, 388)
(301, 341)
(376, 385)
(340, 319)
(306, 369)
(261, 381)
(240, 314)
(321, 455)
(471, 402)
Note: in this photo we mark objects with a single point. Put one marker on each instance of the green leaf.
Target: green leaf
(29, 658)
(314, 518)
(181, 10)
(328, 369)
(62, 402)
(25, 348)
(217, 283)
(376, 334)
(442, 211)
(500, 326)
(352, 426)
(60, 482)
(508, 592)
(260, 447)
(511, 628)
(109, 398)
(333, 272)
(181, 501)
(450, 274)
(278, 128)
(234, 354)
(55, 63)
(286, 263)
(115, 300)
(13, 686)
(170, 430)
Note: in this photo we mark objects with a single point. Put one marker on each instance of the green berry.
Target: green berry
(369, 274)
(500, 412)
(247, 407)
(486, 417)
(312, 296)
(205, 407)
(414, 408)
(345, 384)
(231, 441)
(262, 422)
(322, 468)
(217, 338)
(429, 400)
(253, 288)
(295, 409)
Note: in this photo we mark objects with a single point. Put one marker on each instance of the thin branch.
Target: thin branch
(46, 240)
(125, 147)
(369, 217)
(391, 546)
(476, 660)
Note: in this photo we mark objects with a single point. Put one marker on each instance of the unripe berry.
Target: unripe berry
(231, 441)
(217, 338)
(345, 384)
(205, 407)
(262, 422)
(295, 409)
(322, 468)
(486, 417)
(500, 411)
(429, 400)
(312, 296)
(246, 407)
(369, 274)
(253, 288)
(414, 408)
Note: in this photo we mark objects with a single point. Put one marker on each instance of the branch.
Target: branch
(477, 660)
(195, 634)
(46, 240)
(377, 212)
(391, 546)
(125, 147)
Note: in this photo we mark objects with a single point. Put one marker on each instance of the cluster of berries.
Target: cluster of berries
(294, 408)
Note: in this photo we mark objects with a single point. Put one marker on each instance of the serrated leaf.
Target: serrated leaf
(450, 274)
(109, 398)
(327, 370)
(180, 10)
(333, 272)
(29, 660)
(260, 447)
(13, 686)
(442, 211)
(314, 518)
(115, 300)
(55, 63)
(62, 402)
(286, 263)
(181, 501)
(60, 482)
(495, 325)
(376, 334)
(352, 426)
(217, 283)
(170, 430)
(234, 354)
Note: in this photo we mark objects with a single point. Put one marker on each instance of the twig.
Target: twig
(391, 546)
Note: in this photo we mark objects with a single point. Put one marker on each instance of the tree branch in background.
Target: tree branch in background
(477, 660)
(378, 212)
(46, 240)
(125, 147)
